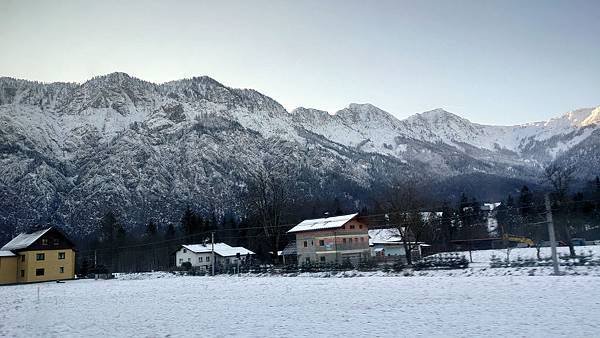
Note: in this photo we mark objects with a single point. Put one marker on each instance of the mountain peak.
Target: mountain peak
(438, 113)
(207, 80)
(365, 112)
(117, 79)
(111, 77)
(592, 118)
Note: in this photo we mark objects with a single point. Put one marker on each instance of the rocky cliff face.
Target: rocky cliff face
(69, 152)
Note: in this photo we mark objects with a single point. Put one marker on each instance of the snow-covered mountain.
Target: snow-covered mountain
(69, 152)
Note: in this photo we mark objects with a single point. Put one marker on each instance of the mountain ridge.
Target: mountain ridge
(70, 151)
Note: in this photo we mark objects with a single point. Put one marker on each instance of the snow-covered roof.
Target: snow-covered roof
(490, 206)
(6, 253)
(384, 236)
(221, 249)
(322, 223)
(24, 240)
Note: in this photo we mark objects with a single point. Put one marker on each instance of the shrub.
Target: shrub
(443, 261)
(187, 266)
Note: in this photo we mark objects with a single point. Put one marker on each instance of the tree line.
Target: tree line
(274, 200)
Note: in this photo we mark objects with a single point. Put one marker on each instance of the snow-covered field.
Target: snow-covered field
(143, 305)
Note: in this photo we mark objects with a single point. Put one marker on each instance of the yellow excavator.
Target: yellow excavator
(518, 239)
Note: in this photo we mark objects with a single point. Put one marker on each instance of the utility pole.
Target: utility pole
(551, 234)
(212, 240)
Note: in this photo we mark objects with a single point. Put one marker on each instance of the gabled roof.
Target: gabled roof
(221, 249)
(322, 223)
(23, 240)
(385, 236)
(6, 253)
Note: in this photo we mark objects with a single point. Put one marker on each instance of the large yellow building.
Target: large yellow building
(43, 255)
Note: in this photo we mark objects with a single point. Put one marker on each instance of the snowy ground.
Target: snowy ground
(159, 305)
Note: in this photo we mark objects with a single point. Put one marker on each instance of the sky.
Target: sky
(493, 62)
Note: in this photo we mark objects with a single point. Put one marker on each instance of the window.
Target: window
(227, 260)
(351, 226)
(208, 259)
(189, 260)
(22, 273)
(206, 267)
(61, 269)
(200, 259)
(56, 241)
(44, 241)
(312, 243)
(39, 272)
(305, 244)
(360, 226)
(344, 241)
(321, 242)
(307, 259)
(184, 251)
(180, 260)
(350, 240)
(40, 257)
(323, 259)
(61, 255)
(22, 258)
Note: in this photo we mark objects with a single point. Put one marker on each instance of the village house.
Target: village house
(44, 255)
(200, 256)
(331, 240)
(386, 244)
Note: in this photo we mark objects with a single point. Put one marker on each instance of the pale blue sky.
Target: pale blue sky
(496, 62)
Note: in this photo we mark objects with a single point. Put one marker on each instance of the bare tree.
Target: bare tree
(404, 203)
(560, 178)
(268, 196)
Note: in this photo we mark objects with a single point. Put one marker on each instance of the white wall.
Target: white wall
(184, 255)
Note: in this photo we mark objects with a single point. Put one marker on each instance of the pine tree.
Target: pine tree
(526, 203)
(527, 212)
(108, 226)
(170, 232)
(151, 230)
(446, 226)
(188, 221)
(337, 207)
(478, 220)
(508, 217)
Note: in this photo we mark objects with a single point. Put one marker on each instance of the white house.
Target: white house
(200, 255)
(387, 244)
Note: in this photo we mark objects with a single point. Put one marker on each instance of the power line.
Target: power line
(386, 224)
